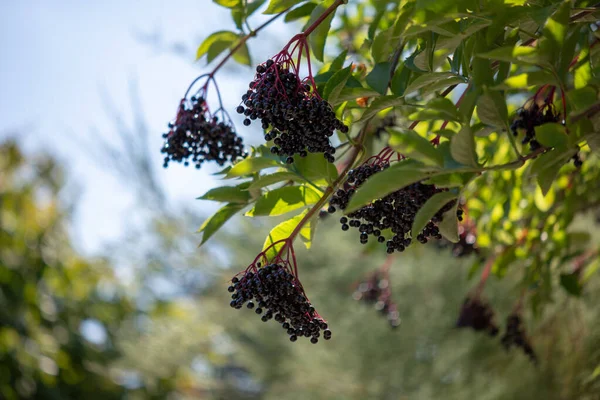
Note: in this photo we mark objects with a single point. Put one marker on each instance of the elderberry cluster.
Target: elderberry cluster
(530, 117)
(477, 315)
(276, 294)
(395, 211)
(376, 291)
(198, 136)
(295, 118)
(515, 336)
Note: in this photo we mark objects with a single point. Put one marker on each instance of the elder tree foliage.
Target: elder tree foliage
(474, 119)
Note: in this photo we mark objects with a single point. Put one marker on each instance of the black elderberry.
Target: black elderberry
(278, 293)
(529, 117)
(477, 315)
(197, 136)
(515, 336)
(292, 110)
(392, 215)
(376, 291)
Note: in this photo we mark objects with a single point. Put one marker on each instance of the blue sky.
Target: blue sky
(61, 58)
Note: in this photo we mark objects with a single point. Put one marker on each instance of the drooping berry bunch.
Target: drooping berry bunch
(530, 116)
(515, 336)
(394, 212)
(375, 290)
(292, 113)
(478, 315)
(197, 135)
(535, 113)
(274, 292)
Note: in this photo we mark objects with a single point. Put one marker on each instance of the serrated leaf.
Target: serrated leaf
(271, 179)
(283, 200)
(215, 44)
(353, 93)
(449, 225)
(527, 80)
(555, 28)
(438, 109)
(300, 12)
(492, 109)
(379, 77)
(277, 6)
(318, 37)
(426, 80)
(242, 55)
(547, 165)
(217, 220)
(314, 167)
(389, 180)
(383, 46)
(452, 180)
(334, 86)
(400, 80)
(429, 209)
(462, 147)
(250, 165)
(338, 62)
(381, 103)
(552, 135)
(227, 194)
(414, 146)
(570, 282)
(518, 54)
(283, 231)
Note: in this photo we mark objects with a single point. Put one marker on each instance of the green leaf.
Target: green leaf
(338, 62)
(415, 146)
(492, 110)
(315, 167)
(334, 86)
(383, 46)
(462, 147)
(518, 54)
(429, 209)
(353, 93)
(217, 220)
(318, 37)
(271, 179)
(570, 282)
(227, 194)
(242, 55)
(389, 180)
(250, 165)
(449, 225)
(277, 6)
(300, 12)
(555, 29)
(582, 75)
(547, 165)
(527, 80)
(215, 44)
(228, 3)
(439, 108)
(283, 200)
(283, 231)
(380, 104)
(434, 78)
(379, 77)
(455, 179)
(552, 135)
(400, 80)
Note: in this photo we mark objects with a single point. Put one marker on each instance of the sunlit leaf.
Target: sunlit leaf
(250, 165)
(283, 200)
(217, 220)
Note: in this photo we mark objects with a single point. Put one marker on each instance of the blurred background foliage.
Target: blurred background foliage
(150, 318)
(70, 329)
